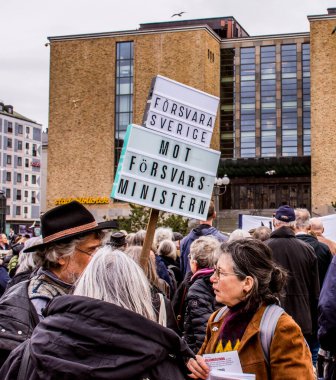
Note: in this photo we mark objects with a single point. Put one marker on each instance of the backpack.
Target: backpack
(267, 327)
(173, 281)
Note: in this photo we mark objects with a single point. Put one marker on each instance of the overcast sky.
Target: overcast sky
(25, 26)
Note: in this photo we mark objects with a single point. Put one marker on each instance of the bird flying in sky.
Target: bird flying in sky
(178, 14)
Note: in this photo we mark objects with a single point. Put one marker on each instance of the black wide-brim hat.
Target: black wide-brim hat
(68, 221)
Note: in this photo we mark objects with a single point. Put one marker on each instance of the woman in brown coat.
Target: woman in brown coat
(247, 280)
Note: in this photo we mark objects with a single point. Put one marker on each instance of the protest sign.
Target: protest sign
(181, 111)
(164, 173)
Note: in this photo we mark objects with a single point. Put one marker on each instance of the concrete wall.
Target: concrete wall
(323, 115)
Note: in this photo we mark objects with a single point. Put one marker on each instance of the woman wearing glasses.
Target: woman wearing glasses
(247, 280)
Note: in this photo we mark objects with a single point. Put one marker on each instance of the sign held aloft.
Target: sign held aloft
(158, 171)
(181, 111)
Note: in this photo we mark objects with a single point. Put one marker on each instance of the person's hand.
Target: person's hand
(198, 368)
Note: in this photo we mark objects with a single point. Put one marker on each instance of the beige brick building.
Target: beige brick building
(323, 106)
(264, 122)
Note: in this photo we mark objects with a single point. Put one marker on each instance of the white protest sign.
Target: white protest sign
(158, 171)
(181, 111)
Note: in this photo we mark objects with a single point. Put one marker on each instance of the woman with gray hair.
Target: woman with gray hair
(106, 330)
(200, 300)
(249, 283)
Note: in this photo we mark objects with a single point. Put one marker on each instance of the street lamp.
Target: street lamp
(217, 192)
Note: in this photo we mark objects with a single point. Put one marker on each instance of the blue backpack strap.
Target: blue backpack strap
(221, 311)
(267, 327)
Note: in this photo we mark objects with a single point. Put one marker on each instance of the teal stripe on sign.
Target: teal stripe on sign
(121, 160)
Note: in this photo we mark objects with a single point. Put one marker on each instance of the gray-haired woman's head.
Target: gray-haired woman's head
(203, 251)
(167, 248)
(114, 277)
(238, 234)
(253, 258)
(163, 233)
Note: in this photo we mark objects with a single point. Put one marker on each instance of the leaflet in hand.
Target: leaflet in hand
(226, 366)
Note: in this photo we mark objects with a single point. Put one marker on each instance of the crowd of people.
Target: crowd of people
(78, 302)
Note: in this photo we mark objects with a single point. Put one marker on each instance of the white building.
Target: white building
(20, 166)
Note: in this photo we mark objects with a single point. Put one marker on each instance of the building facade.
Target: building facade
(267, 128)
(20, 165)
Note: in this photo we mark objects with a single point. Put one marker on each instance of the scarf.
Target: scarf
(46, 285)
(233, 327)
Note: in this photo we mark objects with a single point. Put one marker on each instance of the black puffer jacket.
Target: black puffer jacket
(83, 338)
(18, 319)
(200, 304)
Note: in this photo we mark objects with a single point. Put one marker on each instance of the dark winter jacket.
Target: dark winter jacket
(156, 302)
(18, 315)
(179, 301)
(18, 319)
(162, 270)
(83, 338)
(327, 310)
(322, 252)
(200, 304)
(201, 230)
(173, 267)
(302, 288)
(4, 278)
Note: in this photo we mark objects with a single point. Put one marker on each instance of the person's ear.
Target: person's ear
(61, 261)
(248, 285)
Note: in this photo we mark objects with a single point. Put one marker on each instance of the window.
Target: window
(8, 176)
(7, 210)
(124, 93)
(27, 146)
(27, 130)
(26, 177)
(10, 127)
(33, 197)
(27, 162)
(9, 143)
(8, 193)
(18, 195)
(34, 150)
(19, 145)
(306, 98)
(25, 210)
(9, 159)
(26, 195)
(19, 161)
(18, 177)
(34, 179)
(18, 210)
(20, 129)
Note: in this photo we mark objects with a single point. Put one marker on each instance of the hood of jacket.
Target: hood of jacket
(203, 230)
(84, 338)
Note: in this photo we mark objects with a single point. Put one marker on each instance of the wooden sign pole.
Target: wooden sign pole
(147, 246)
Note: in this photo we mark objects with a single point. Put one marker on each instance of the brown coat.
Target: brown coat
(290, 357)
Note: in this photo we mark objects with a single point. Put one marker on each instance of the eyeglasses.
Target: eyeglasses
(221, 274)
(92, 253)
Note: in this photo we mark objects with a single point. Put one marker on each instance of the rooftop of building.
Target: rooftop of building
(8, 110)
(224, 27)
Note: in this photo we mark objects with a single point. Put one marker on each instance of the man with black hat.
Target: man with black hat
(71, 236)
(302, 289)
